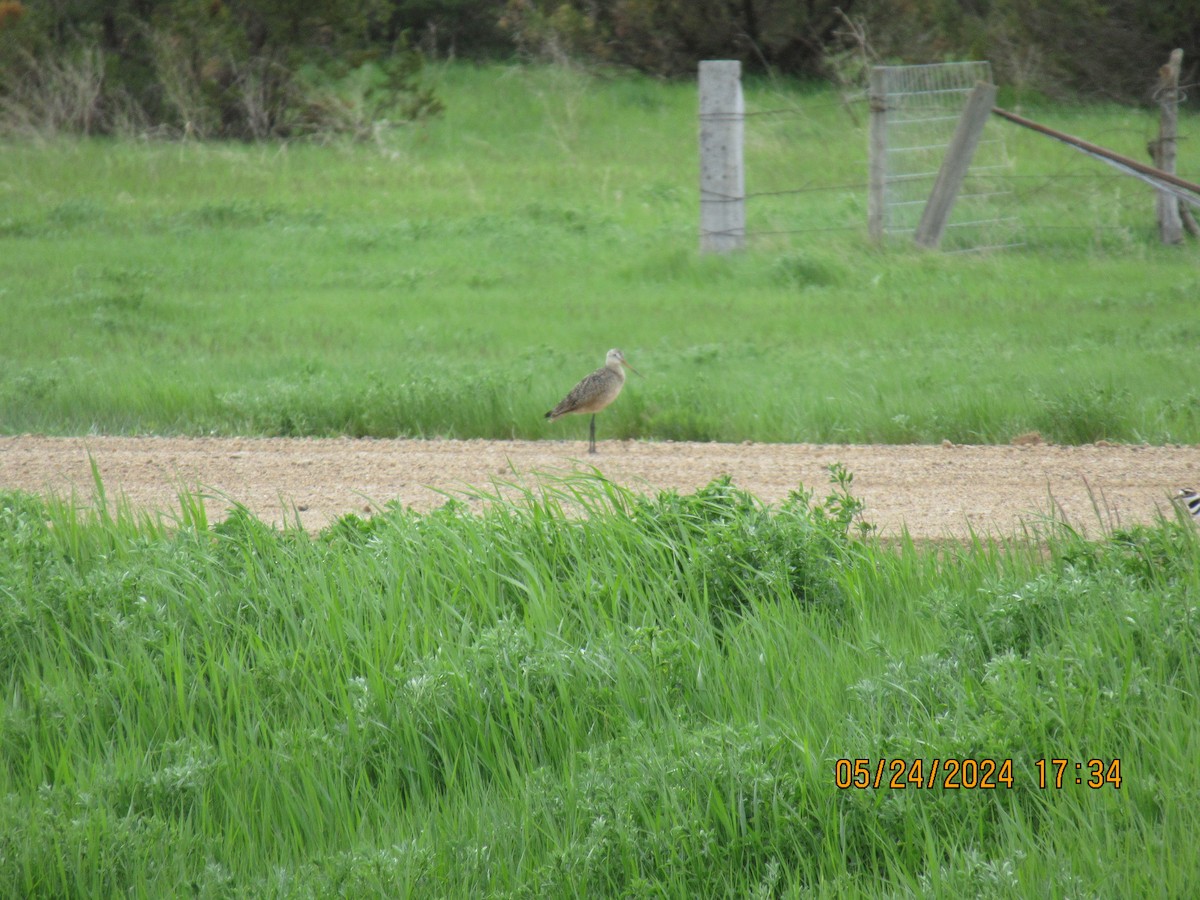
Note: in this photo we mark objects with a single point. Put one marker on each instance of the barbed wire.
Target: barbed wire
(737, 232)
(808, 190)
(711, 196)
(783, 110)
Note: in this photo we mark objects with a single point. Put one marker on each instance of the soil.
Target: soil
(934, 491)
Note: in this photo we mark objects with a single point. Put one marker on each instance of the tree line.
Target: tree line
(276, 68)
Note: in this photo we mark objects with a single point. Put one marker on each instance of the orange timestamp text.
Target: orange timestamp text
(970, 774)
(901, 774)
(1095, 773)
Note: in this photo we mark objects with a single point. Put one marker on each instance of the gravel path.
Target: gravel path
(934, 491)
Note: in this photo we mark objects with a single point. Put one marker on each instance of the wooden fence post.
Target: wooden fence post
(877, 155)
(722, 177)
(955, 164)
(1170, 223)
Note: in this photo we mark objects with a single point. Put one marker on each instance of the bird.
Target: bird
(595, 392)
(1189, 500)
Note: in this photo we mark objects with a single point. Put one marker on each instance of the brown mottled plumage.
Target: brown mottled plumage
(594, 393)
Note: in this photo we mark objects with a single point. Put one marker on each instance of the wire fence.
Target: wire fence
(920, 107)
(807, 163)
(788, 191)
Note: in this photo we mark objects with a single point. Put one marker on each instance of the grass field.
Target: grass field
(458, 277)
(648, 701)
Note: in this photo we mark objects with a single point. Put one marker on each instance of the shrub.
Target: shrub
(1107, 50)
(207, 69)
(738, 552)
(668, 37)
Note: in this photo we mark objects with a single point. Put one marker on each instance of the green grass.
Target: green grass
(646, 700)
(458, 278)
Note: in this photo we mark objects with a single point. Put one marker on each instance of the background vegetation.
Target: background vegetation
(1080, 48)
(265, 68)
(206, 69)
(647, 700)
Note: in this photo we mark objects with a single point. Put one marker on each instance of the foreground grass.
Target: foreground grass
(646, 700)
(458, 279)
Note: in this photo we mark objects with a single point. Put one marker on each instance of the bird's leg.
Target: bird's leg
(592, 435)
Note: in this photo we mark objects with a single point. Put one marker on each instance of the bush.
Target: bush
(268, 68)
(669, 37)
(1106, 50)
(1102, 50)
(738, 552)
(207, 69)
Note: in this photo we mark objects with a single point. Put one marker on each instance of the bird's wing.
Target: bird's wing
(580, 393)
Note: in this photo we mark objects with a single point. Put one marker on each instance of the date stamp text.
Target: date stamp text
(971, 774)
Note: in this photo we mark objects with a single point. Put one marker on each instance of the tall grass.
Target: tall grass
(585, 692)
(457, 280)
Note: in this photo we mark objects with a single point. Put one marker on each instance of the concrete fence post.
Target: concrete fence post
(722, 175)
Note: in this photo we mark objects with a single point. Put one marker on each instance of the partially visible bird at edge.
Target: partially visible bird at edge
(595, 392)
(1189, 500)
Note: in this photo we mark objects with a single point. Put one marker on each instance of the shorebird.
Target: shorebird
(1189, 500)
(595, 392)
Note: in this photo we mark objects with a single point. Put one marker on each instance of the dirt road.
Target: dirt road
(936, 491)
